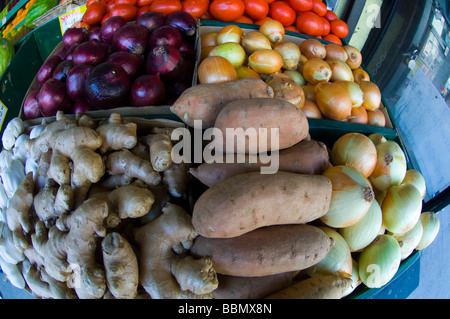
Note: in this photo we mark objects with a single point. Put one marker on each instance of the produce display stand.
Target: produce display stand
(39, 44)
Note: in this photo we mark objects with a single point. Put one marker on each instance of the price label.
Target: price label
(3, 111)
(67, 19)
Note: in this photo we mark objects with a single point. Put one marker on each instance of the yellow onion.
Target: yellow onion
(231, 51)
(311, 110)
(335, 51)
(301, 63)
(379, 262)
(216, 69)
(361, 234)
(313, 48)
(430, 224)
(255, 40)
(316, 71)
(285, 88)
(376, 118)
(409, 240)
(360, 75)
(372, 95)
(208, 39)
(401, 208)
(337, 261)
(377, 138)
(391, 166)
(354, 90)
(230, 33)
(359, 115)
(416, 179)
(354, 57)
(205, 52)
(340, 70)
(333, 101)
(265, 61)
(244, 72)
(351, 197)
(309, 92)
(355, 150)
(290, 53)
(296, 76)
(273, 30)
(355, 279)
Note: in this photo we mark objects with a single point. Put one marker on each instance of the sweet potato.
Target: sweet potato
(260, 117)
(321, 287)
(205, 101)
(232, 287)
(306, 157)
(265, 251)
(245, 202)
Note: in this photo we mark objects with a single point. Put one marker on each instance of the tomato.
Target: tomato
(291, 28)
(339, 28)
(319, 8)
(196, 8)
(310, 23)
(94, 13)
(130, 2)
(110, 4)
(166, 6)
(270, 1)
(142, 10)
(259, 22)
(125, 11)
(301, 5)
(81, 24)
(244, 19)
(207, 16)
(256, 9)
(89, 2)
(144, 3)
(326, 27)
(332, 38)
(330, 16)
(282, 12)
(227, 10)
(106, 17)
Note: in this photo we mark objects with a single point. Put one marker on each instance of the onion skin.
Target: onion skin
(290, 54)
(62, 70)
(151, 20)
(379, 262)
(391, 166)
(430, 224)
(354, 57)
(376, 118)
(183, 21)
(372, 95)
(81, 106)
(230, 33)
(254, 40)
(273, 30)
(74, 36)
(409, 240)
(131, 38)
(31, 108)
(216, 69)
(360, 75)
(311, 110)
(53, 98)
(335, 51)
(316, 71)
(162, 59)
(333, 101)
(401, 208)
(89, 53)
(244, 72)
(130, 62)
(313, 48)
(165, 36)
(75, 81)
(265, 61)
(416, 179)
(231, 51)
(340, 71)
(356, 94)
(147, 90)
(46, 70)
(359, 115)
(109, 28)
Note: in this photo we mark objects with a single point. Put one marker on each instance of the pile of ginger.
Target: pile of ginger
(95, 209)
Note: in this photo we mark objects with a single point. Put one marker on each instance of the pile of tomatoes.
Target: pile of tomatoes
(309, 17)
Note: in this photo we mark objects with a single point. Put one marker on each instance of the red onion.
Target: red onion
(53, 97)
(73, 36)
(31, 108)
(110, 26)
(107, 86)
(47, 69)
(94, 34)
(187, 47)
(69, 53)
(91, 52)
(61, 52)
(147, 90)
(151, 20)
(183, 72)
(76, 79)
(62, 70)
(183, 21)
(130, 38)
(130, 62)
(165, 35)
(81, 106)
(162, 59)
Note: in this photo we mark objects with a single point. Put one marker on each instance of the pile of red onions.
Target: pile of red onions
(142, 63)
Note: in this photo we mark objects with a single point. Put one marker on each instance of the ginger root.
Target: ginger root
(116, 134)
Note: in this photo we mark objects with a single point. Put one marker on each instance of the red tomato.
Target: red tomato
(244, 19)
(144, 3)
(332, 38)
(282, 12)
(319, 8)
(166, 6)
(125, 11)
(110, 4)
(89, 2)
(196, 8)
(310, 23)
(94, 13)
(105, 17)
(207, 16)
(301, 5)
(339, 28)
(256, 9)
(326, 27)
(291, 28)
(330, 16)
(227, 10)
(259, 22)
(130, 2)
(268, 1)
(142, 10)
